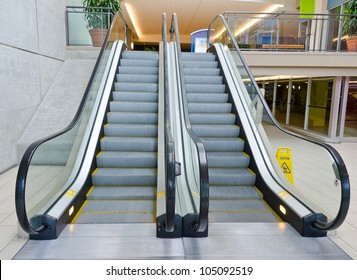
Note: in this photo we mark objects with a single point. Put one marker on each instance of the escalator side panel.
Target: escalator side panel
(302, 224)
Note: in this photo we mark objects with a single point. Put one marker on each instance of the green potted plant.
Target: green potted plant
(97, 14)
(349, 25)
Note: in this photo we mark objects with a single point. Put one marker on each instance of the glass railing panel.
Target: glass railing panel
(52, 163)
(314, 179)
(82, 23)
(307, 170)
(77, 30)
(290, 31)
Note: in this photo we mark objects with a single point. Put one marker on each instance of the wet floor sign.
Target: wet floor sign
(283, 155)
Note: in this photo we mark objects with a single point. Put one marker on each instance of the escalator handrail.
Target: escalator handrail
(344, 177)
(170, 174)
(202, 223)
(20, 187)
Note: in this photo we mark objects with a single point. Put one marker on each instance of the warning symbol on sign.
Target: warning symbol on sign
(283, 155)
(285, 168)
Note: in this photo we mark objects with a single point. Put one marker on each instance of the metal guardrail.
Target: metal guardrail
(289, 31)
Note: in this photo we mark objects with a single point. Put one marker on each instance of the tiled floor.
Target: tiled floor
(10, 242)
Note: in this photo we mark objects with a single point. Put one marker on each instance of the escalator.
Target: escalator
(119, 162)
(233, 194)
(115, 162)
(240, 177)
(125, 178)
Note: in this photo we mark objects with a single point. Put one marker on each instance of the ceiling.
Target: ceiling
(144, 17)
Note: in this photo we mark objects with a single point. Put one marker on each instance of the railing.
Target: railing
(289, 31)
(195, 156)
(81, 20)
(50, 165)
(170, 163)
(320, 179)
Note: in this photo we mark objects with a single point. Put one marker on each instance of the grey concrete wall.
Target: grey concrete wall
(32, 51)
(61, 102)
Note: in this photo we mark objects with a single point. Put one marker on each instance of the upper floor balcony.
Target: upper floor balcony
(293, 31)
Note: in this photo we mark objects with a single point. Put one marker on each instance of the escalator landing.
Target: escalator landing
(252, 241)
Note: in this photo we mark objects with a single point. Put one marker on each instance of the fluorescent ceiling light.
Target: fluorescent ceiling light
(133, 18)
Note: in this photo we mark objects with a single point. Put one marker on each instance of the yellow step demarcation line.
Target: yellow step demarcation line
(269, 210)
(95, 171)
(90, 190)
(244, 153)
(82, 207)
(251, 171)
(258, 191)
(273, 212)
(115, 212)
(239, 211)
(79, 212)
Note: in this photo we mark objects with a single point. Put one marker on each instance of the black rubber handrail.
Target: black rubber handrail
(202, 223)
(340, 165)
(170, 170)
(20, 187)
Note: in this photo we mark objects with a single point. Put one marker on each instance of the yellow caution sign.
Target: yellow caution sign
(283, 155)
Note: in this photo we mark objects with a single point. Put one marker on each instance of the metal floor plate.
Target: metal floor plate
(255, 241)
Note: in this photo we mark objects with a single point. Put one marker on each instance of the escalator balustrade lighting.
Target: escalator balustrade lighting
(71, 210)
(282, 209)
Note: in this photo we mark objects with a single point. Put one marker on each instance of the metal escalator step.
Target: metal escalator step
(198, 56)
(231, 176)
(234, 192)
(192, 88)
(138, 78)
(129, 144)
(122, 193)
(125, 176)
(128, 106)
(135, 96)
(115, 218)
(233, 205)
(201, 71)
(132, 117)
(243, 216)
(209, 107)
(130, 130)
(139, 62)
(240, 210)
(126, 159)
(138, 70)
(204, 118)
(136, 87)
(203, 80)
(207, 97)
(216, 130)
(228, 159)
(223, 144)
(140, 55)
(117, 211)
(200, 64)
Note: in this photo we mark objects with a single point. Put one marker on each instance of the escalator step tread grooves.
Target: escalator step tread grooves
(124, 183)
(233, 195)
